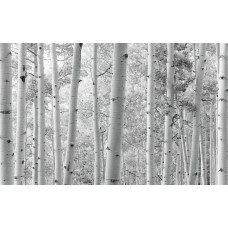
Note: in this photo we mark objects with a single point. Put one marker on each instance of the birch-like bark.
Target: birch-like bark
(35, 125)
(97, 152)
(112, 172)
(193, 172)
(35, 141)
(6, 144)
(211, 144)
(103, 157)
(222, 169)
(56, 117)
(41, 116)
(178, 166)
(169, 115)
(72, 124)
(150, 164)
(216, 114)
(203, 158)
(21, 110)
(183, 144)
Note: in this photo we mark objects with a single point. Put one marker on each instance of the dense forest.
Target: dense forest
(113, 114)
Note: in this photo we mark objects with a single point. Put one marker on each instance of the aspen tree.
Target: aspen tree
(211, 144)
(169, 115)
(222, 169)
(203, 158)
(103, 158)
(21, 110)
(150, 164)
(35, 141)
(193, 172)
(216, 114)
(56, 117)
(41, 116)
(112, 172)
(178, 166)
(35, 125)
(97, 165)
(72, 124)
(183, 143)
(6, 145)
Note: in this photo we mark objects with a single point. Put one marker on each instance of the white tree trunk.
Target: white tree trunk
(35, 142)
(97, 147)
(6, 144)
(72, 124)
(211, 145)
(150, 164)
(21, 110)
(222, 168)
(35, 125)
(41, 116)
(183, 144)
(56, 118)
(112, 172)
(203, 158)
(166, 180)
(193, 172)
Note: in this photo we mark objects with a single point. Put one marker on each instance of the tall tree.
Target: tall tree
(193, 171)
(21, 110)
(97, 152)
(169, 115)
(6, 144)
(72, 124)
(150, 164)
(56, 117)
(112, 172)
(41, 116)
(222, 168)
(35, 123)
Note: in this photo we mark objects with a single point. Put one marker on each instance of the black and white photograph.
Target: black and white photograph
(113, 114)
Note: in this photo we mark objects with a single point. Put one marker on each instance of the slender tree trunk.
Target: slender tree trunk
(35, 142)
(211, 144)
(222, 168)
(162, 161)
(193, 172)
(216, 115)
(178, 166)
(21, 103)
(150, 164)
(169, 115)
(56, 118)
(123, 166)
(112, 172)
(103, 156)
(183, 144)
(6, 144)
(72, 124)
(203, 158)
(41, 116)
(35, 125)
(97, 152)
